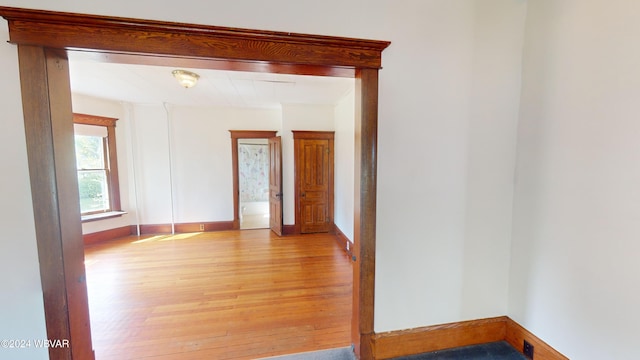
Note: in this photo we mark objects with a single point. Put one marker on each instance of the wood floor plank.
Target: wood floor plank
(218, 295)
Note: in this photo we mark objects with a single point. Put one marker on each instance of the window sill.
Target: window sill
(102, 216)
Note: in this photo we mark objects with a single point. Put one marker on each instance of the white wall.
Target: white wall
(344, 120)
(446, 150)
(21, 304)
(151, 160)
(422, 164)
(492, 129)
(191, 180)
(575, 269)
(298, 117)
(201, 149)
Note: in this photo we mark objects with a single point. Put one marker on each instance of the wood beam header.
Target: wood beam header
(123, 35)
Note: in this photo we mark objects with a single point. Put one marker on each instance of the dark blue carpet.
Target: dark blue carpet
(493, 351)
(345, 353)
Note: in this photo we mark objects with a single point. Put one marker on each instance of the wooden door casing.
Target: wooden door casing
(235, 136)
(275, 184)
(313, 161)
(128, 41)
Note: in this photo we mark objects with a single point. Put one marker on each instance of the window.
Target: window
(97, 164)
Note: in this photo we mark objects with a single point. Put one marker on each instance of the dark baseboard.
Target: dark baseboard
(186, 227)
(344, 242)
(107, 235)
(438, 337)
(204, 226)
(290, 230)
(366, 349)
(447, 336)
(146, 229)
(516, 335)
(295, 229)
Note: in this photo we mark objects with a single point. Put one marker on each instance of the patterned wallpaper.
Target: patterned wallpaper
(253, 166)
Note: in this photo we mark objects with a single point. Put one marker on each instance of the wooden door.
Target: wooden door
(313, 152)
(275, 184)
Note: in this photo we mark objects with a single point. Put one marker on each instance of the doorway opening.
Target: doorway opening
(271, 182)
(46, 101)
(253, 181)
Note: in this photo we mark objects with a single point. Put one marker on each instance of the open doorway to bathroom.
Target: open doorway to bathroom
(253, 178)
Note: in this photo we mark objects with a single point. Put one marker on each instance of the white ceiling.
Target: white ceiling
(155, 84)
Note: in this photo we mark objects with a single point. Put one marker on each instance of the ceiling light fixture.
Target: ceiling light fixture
(186, 78)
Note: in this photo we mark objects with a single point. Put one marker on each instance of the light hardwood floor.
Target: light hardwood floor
(218, 295)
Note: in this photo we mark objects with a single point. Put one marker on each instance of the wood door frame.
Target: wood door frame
(311, 135)
(235, 136)
(113, 180)
(43, 39)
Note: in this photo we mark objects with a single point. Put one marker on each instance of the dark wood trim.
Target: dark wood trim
(344, 242)
(186, 44)
(185, 227)
(206, 226)
(252, 134)
(364, 230)
(439, 337)
(218, 64)
(393, 344)
(113, 177)
(106, 235)
(516, 334)
(305, 134)
(134, 230)
(235, 135)
(94, 120)
(366, 349)
(290, 230)
(74, 31)
(54, 188)
(146, 229)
